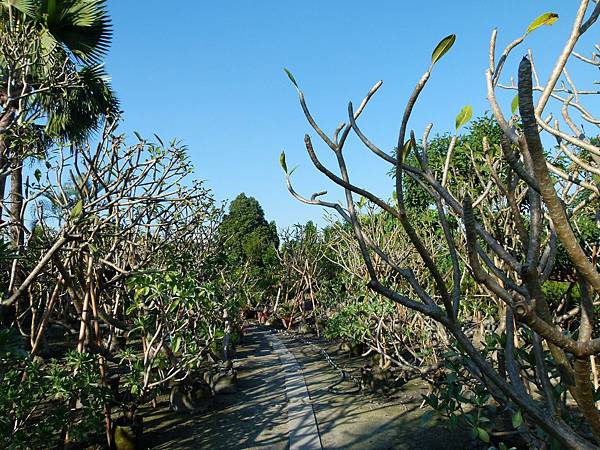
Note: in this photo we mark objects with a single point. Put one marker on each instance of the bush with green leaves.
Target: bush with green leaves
(179, 327)
(461, 395)
(177, 322)
(357, 320)
(39, 401)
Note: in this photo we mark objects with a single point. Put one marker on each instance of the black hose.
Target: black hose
(344, 376)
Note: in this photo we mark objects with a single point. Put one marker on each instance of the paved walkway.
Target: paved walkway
(302, 424)
(283, 402)
(357, 421)
(253, 418)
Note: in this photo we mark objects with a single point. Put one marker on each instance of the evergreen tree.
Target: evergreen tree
(250, 241)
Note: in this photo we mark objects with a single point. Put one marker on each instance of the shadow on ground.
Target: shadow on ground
(256, 418)
(357, 421)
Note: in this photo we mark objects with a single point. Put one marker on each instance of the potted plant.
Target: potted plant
(262, 315)
(286, 313)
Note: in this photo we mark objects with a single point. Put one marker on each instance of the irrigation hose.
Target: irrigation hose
(344, 376)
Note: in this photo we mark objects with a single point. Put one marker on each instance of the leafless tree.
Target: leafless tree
(512, 270)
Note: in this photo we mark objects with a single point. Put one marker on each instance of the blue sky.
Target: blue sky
(210, 74)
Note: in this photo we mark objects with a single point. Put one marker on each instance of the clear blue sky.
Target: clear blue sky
(210, 74)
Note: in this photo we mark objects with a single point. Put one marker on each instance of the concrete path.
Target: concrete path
(254, 418)
(302, 424)
(283, 402)
(358, 421)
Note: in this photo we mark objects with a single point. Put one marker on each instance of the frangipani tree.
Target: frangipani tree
(538, 201)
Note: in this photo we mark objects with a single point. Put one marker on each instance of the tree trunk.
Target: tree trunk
(16, 205)
(3, 166)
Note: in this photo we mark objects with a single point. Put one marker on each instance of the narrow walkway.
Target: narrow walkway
(284, 402)
(357, 421)
(302, 424)
(253, 418)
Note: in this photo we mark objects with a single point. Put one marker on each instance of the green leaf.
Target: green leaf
(545, 19)
(514, 106)
(49, 43)
(176, 344)
(282, 162)
(51, 5)
(159, 140)
(406, 150)
(517, 419)
(27, 7)
(483, 435)
(77, 210)
(464, 116)
(37, 174)
(291, 77)
(137, 135)
(432, 400)
(453, 422)
(441, 49)
(426, 417)
(83, 27)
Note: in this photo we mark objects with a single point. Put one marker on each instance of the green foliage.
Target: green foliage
(470, 143)
(282, 162)
(74, 115)
(465, 401)
(83, 27)
(190, 313)
(291, 77)
(463, 116)
(27, 7)
(6, 252)
(555, 291)
(462, 401)
(247, 235)
(442, 48)
(285, 310)
(249, 241)
(71, 37)
(187, 318)
(514, 105)
(586, 230)
(37, 399)
(77, 210)
(545, 19)
(353, 322)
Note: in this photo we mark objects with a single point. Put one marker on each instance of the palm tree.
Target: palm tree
(73, 35)
(79, 33)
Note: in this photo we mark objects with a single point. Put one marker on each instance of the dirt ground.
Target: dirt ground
(255, 417)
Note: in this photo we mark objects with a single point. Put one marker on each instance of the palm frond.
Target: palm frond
(82, 26)
(27, 7)
(81, 110)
